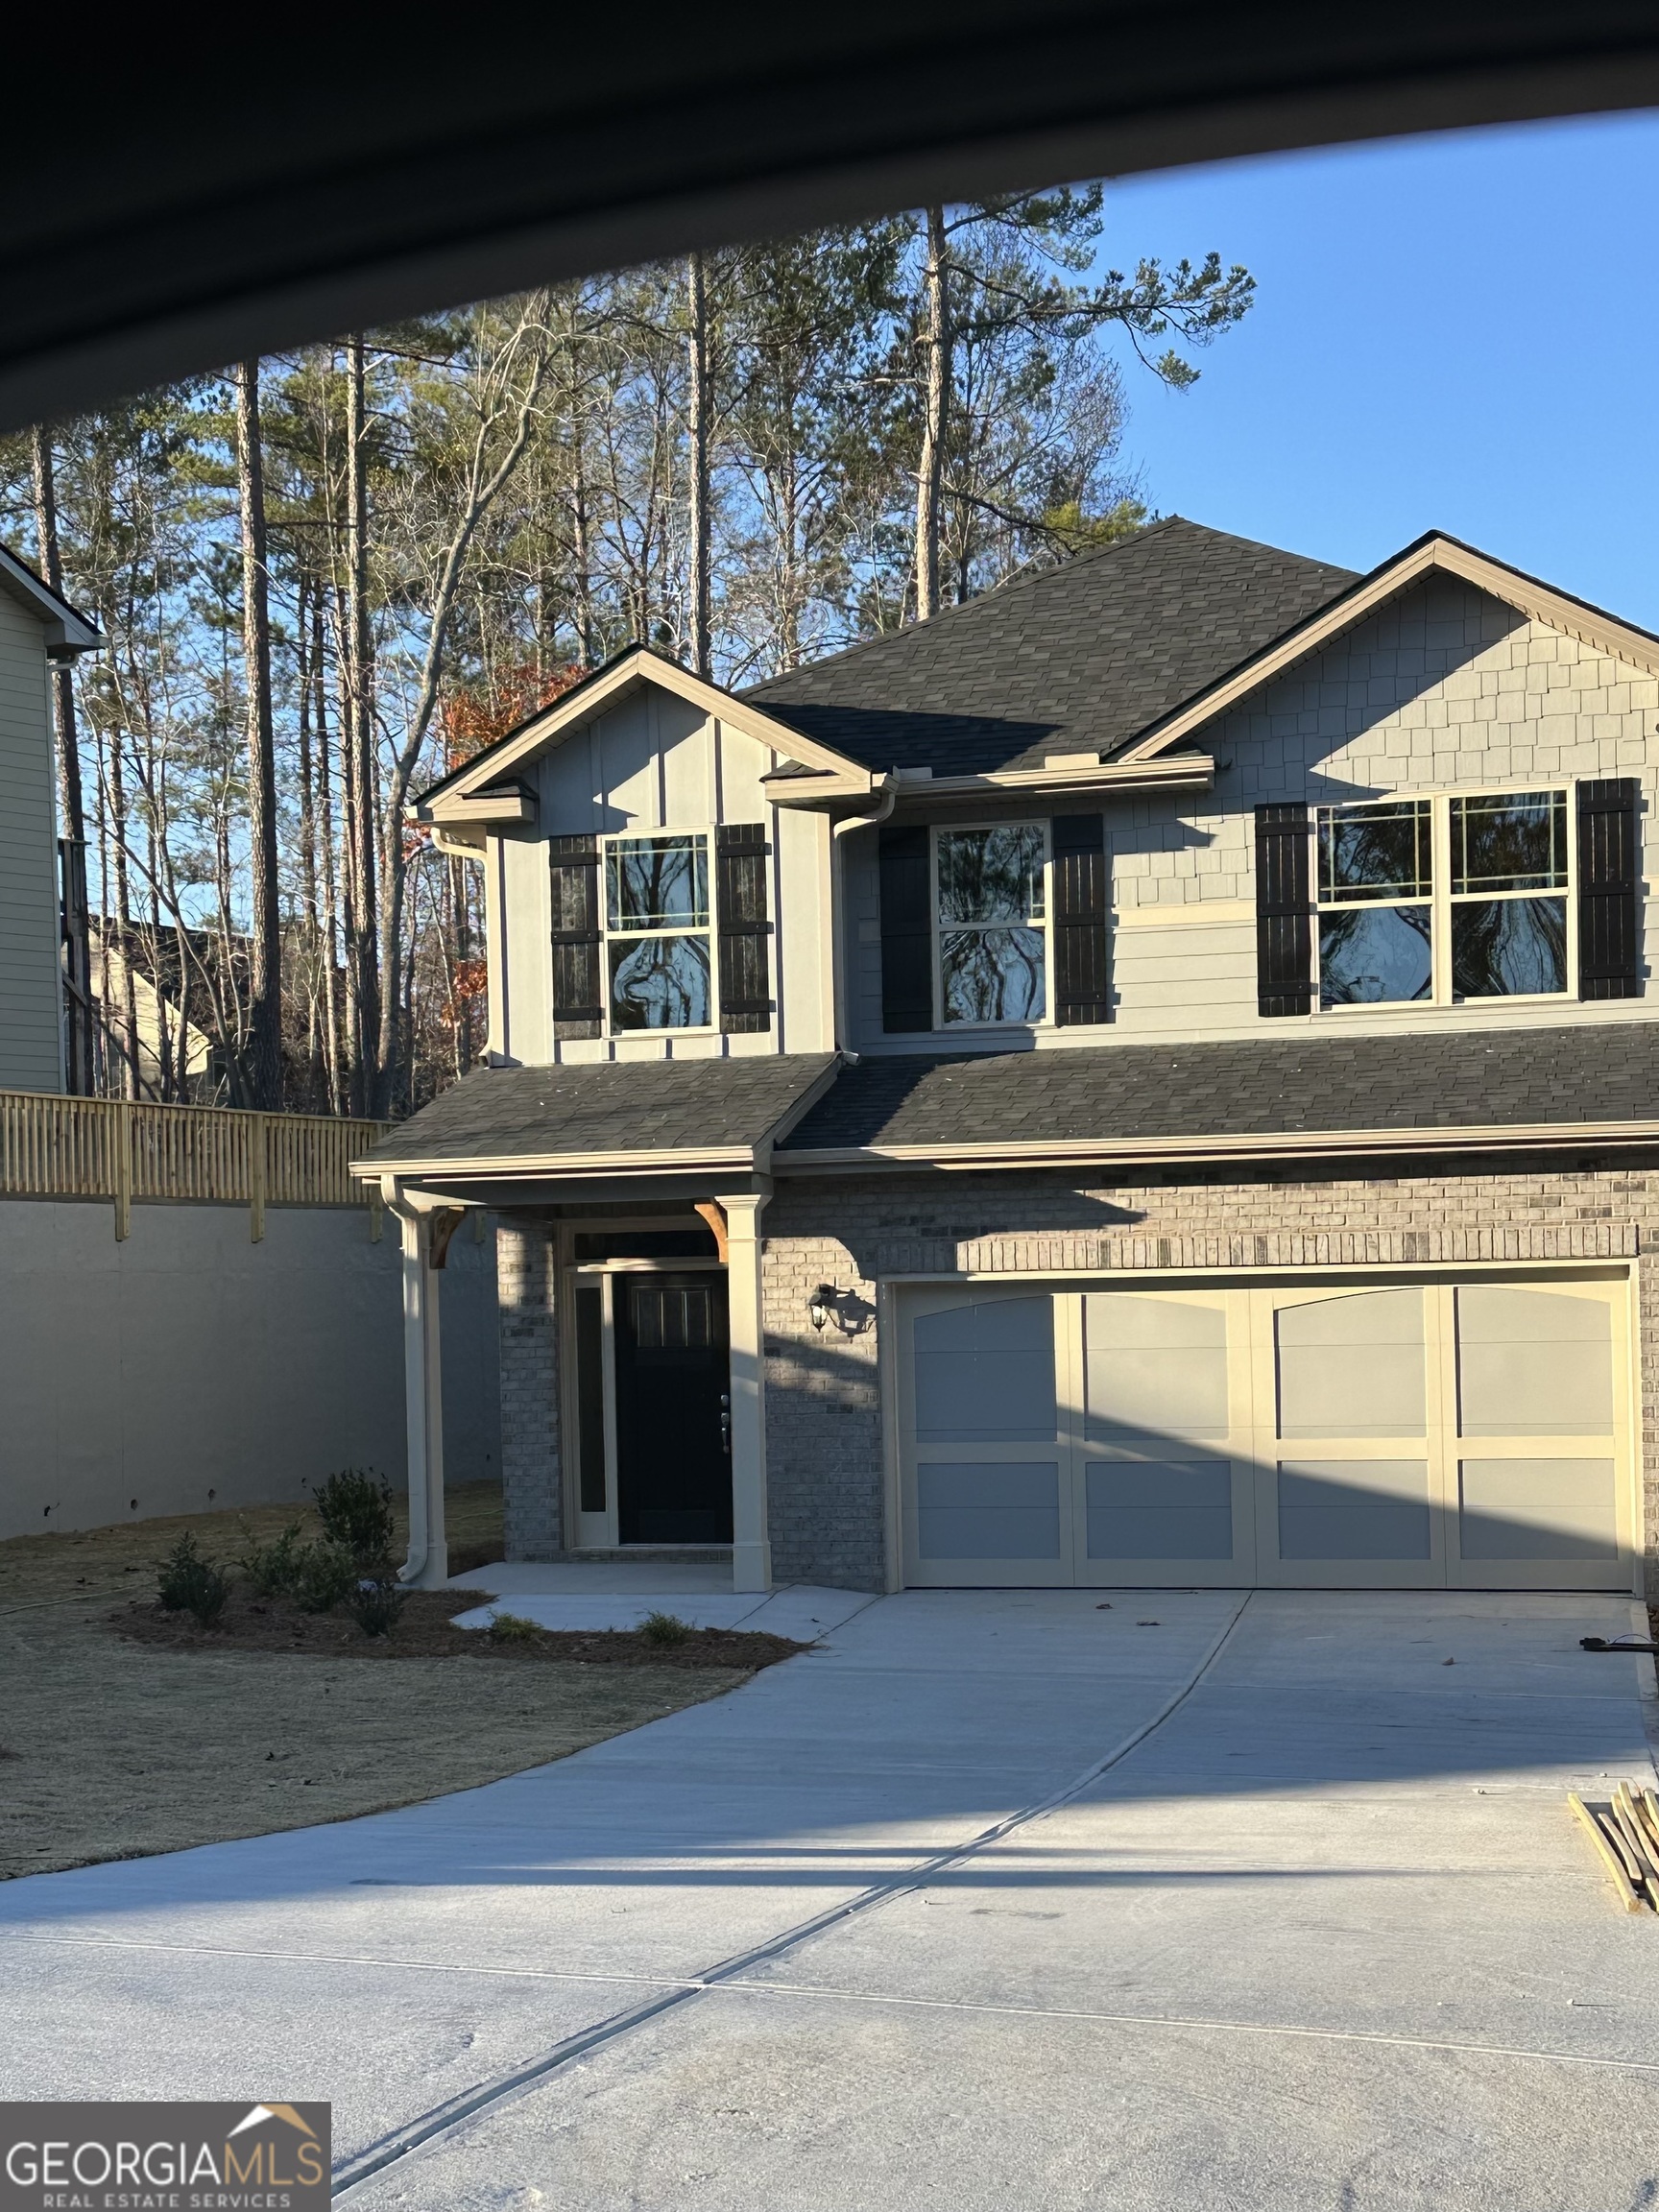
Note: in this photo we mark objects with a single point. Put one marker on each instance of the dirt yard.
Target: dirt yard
(114, 1748)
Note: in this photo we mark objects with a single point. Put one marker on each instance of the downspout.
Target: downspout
(889, 790)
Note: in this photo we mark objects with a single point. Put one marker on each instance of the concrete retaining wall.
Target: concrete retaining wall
(189, 1369)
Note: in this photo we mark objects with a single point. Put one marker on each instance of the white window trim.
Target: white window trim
(609, 936)
(1440, 901)
(941, 1028)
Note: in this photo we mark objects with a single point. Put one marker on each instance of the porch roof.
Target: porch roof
(583, 1117)
(1590, 1083)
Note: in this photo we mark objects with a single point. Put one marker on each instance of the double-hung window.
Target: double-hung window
(1456, 897)
(1509, 888)
(1376, 907)
(658, 954)
(991, 923)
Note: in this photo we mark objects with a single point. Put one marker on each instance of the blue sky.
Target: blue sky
(1458, 331)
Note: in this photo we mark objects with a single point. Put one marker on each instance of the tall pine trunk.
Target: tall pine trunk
(935, 414)
(697, 423)
(325, 842)
(366, 993)
(265, 983)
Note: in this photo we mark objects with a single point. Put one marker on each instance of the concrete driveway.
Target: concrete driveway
(1304, 1923)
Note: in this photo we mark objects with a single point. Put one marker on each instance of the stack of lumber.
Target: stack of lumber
(1625, 1833)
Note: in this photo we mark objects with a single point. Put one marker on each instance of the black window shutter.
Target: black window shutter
(1284, 912)
(578, 986)
(906, 930)
(1082, 984)
(740, 852)
(1610, 888)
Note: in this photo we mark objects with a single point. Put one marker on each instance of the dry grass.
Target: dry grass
(115, 1749)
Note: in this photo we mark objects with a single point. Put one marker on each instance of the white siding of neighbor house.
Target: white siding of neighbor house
(1447, 689)
(30, 1049)
(656, 763)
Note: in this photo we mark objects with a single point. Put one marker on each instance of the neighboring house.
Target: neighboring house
(174, 1056)
(37, 631)
(1145, 1078)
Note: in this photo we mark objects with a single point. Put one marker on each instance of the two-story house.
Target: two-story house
(1144, 1078)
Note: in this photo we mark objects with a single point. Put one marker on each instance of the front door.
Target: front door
(673, 1426)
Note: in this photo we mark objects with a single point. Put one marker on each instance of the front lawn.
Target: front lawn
(124, 1731)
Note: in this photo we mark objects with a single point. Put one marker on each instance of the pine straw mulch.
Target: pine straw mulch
(425, 1630)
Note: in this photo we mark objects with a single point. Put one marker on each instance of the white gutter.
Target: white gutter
(1278, 1145)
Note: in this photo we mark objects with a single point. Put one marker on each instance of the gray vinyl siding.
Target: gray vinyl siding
(1447, 688)
(31, 1052)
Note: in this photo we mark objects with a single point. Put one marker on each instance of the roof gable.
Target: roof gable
(480, 788)
(1434, 551)
(1081, 658)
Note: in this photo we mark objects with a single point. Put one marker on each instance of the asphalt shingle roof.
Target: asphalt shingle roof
(1075, 658)
(1605, 1073)
(610, 1106)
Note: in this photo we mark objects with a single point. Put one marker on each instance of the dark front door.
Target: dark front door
(673, 1456)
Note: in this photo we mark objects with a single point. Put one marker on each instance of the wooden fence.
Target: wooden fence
(57, 1147)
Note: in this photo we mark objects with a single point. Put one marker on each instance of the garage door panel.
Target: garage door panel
(1154, 1368)
(1347, 1511)
(1353, 1366)
(985, 1371)
(1539, 1509)
(1174, 1509)
(1533, 1363)
(988, 1510)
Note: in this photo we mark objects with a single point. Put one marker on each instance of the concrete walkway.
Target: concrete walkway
(1323, 1937)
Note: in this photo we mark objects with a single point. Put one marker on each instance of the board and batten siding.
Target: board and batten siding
(30, 1041)
(655, 762)
(1448, 688)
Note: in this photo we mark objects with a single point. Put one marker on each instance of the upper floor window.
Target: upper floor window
(990, 923)
(1465, 896)
(659, 960)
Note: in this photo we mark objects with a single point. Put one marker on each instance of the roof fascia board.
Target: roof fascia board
(578, 705)
(543, 1166)
(1538, 601)
(1190, 771)
(66, 631)
(1287, 1144)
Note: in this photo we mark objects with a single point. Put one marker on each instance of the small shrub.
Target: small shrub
(664, 1629)
(326, 1572)
(377, 1603)
(187, 1583)
(356, 1510)
(271, 1570)
(513, 1628)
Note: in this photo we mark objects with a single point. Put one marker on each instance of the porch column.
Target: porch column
(428, 1566)
(751, 1544)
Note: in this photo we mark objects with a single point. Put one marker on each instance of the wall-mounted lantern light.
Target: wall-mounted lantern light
(822, 1303)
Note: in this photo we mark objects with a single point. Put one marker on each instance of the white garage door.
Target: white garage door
(1348, 1434)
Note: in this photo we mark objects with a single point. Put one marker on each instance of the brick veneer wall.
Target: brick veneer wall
(823, 1408)
(526, 1275)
